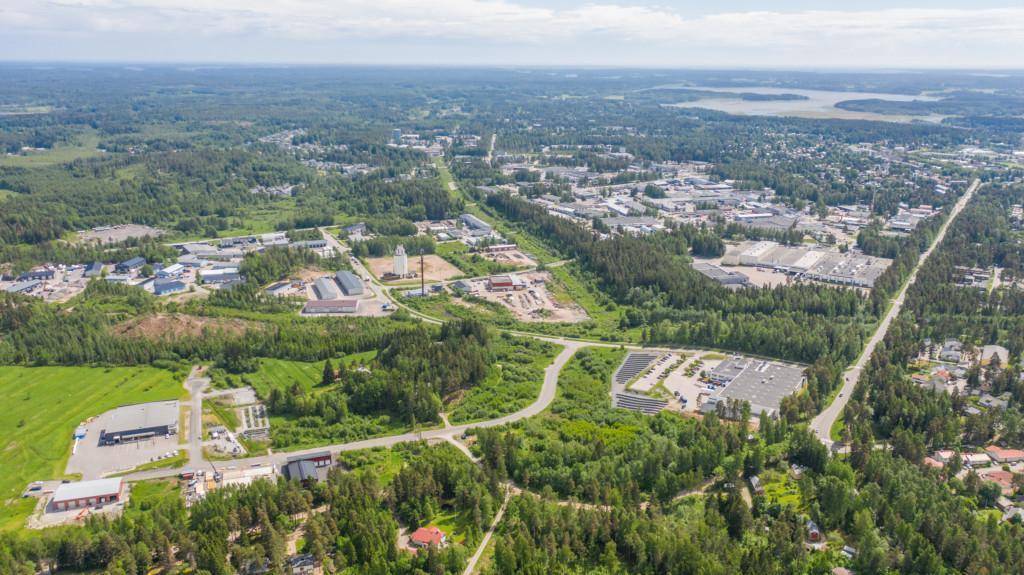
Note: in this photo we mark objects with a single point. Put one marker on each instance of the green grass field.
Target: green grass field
(84, 147)
(43, 407)
(282, 373)
(148, 494)
(471, 265)
(382, 462)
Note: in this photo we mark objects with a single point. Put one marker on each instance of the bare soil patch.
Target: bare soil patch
(174, 326)
(435, 268)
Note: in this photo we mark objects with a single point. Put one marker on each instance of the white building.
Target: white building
(401, 262)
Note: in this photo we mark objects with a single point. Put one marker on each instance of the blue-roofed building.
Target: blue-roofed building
(40, 275)
(162, 286)
(93, 270)
(130, 265)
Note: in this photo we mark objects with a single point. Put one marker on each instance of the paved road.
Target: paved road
(195, 385)
(547, 395)
(822, 424)
(471, 566)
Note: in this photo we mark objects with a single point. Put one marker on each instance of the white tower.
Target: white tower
(401, 262)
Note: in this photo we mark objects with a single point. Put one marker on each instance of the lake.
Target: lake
(819, 103)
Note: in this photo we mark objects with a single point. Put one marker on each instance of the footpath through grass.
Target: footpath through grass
(43, 405)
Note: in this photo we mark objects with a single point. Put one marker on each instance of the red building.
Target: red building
(83, 494)
(427, 536)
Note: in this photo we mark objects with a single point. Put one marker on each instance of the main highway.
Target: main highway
(822, 424)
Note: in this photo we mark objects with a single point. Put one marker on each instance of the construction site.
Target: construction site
(526, 296)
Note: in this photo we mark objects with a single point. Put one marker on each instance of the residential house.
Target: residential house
(427, 536)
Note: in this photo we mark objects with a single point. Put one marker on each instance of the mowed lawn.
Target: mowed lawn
(42, 407)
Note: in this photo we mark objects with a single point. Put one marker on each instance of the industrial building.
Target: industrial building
(81, 494)
(349, 282)
(306, 468)
(131, 265)
(311, 244)
(93, 270)
(220, 276)
(331, 306)
(326, 289)
(474, 223)
(760, 383)
(24, 287)
(141, 421)
(505, 283)
(39, 275)
(170, 271)
(729, 279)
(166, 286)
(852, 269)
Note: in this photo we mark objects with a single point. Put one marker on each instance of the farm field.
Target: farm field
(43, 407)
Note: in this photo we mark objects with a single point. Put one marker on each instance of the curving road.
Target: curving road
(822, 424)
(547, 395)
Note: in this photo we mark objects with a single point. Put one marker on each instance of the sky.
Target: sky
(791, 34)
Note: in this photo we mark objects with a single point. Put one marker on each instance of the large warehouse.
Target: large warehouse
(141, 421)
(761, 383)
(349, 282)
(326, 289)
(87, 494)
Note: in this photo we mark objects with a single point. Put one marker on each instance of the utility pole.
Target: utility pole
(423, 278)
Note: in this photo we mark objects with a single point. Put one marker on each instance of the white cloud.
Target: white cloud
(610, 27)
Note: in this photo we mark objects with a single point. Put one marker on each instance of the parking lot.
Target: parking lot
(685, 381)
(94, 461)
(658, 373)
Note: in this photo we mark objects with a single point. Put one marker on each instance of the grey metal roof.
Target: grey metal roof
(144, 416)
(85, 489)
(349, 282)
(22, 286)
(326, 289)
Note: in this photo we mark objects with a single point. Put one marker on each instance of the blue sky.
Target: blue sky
(726, 33)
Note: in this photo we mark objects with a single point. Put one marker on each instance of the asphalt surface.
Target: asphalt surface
(821, 425)
(195, 385)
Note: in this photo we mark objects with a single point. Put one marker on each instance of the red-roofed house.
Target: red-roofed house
(932, 463)
(427, 536)
(1001, 455)
(1003, 478)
